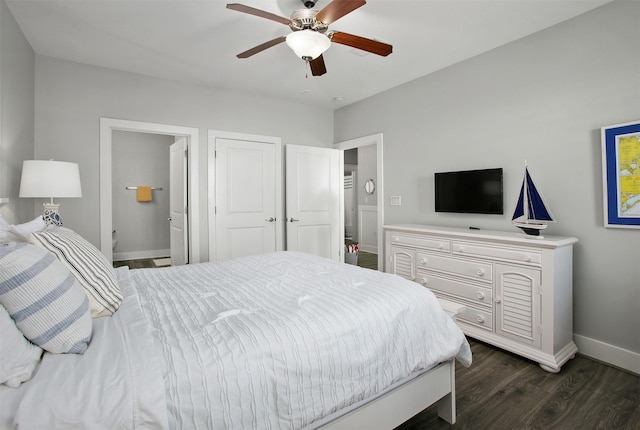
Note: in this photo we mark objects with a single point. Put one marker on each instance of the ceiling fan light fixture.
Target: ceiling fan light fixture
(308, 44)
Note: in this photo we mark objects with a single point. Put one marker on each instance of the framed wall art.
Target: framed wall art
(621, 175)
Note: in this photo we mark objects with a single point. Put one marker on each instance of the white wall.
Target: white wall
(542, 98)
(142, 229)
(16, 117)
(70, 99)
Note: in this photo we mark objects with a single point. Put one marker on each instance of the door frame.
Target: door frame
(107, 126)
(374, 139)
(212, 135)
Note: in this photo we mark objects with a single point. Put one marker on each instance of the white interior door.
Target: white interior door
(179, 235)
(245, 198)
(314, 181)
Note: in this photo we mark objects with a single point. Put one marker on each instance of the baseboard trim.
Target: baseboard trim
(138, 255)
(613, 355)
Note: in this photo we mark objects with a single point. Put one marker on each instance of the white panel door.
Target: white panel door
(314, 179)
(245, 198)
(178, 235)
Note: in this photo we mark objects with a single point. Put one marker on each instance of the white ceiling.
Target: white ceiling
(197, 41)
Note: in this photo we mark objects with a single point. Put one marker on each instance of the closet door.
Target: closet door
(314, 181)
(245, 198)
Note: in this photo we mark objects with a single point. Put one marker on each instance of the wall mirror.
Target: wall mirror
(370, 186)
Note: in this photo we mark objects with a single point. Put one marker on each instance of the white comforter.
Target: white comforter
(277, 341)
(281, 340)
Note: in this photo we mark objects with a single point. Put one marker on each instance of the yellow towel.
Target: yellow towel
(143, 193)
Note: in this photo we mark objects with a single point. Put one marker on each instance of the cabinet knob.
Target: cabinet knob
(460, 249)
(498, 300)
(480, 296)
(440, 246)
(480, 272)
(424, 281)
(480, 319)
(423, 260)
(527, 258)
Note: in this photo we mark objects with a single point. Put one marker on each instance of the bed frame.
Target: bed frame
(388, 411)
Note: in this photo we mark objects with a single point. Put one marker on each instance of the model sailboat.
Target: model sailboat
(531, 214)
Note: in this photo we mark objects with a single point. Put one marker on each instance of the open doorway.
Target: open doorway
(368, 208)
(107, 128)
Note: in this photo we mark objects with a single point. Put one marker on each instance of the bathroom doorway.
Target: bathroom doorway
(108, 127)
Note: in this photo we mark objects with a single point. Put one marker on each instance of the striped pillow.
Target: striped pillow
(44, 299)
(87, 264)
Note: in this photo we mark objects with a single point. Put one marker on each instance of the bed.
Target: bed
(284, 340)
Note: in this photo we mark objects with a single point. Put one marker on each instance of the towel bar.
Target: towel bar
(135, 188)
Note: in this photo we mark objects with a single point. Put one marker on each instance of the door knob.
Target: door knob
(293, 220)
(272, 219)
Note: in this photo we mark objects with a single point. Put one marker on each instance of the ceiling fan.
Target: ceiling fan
(311, 35)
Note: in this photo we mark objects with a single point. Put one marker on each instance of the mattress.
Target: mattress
(282, 340)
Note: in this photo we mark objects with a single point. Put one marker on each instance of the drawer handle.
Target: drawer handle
(527, 258)
(423, 260)
(480, 272)
(424, 281)
(480, 296)
(480, 319)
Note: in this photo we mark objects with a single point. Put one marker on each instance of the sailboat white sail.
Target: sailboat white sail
(531, 214)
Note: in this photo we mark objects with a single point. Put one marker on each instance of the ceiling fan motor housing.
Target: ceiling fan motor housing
(305, 19)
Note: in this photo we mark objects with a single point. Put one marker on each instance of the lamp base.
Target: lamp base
(51, 214)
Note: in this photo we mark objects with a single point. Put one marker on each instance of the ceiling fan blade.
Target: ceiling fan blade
(317, 66)
(248, 53)
(365, 44)
(257, 12)
(337, 9)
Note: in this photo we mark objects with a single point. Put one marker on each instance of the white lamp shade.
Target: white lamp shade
(48, 178)
(308, 44)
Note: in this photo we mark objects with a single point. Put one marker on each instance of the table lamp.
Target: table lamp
(49, 179)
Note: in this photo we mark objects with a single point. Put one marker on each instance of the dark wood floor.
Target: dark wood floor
(504, 391)
(136, 264)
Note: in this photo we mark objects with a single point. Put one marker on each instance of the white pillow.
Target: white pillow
(88, 265)
(44, 299)
(18, 356)
(20, 232)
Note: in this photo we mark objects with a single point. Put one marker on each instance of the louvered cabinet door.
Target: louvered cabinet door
(403, 262)
(517, 304)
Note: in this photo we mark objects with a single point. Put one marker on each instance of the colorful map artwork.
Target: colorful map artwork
(629, 175)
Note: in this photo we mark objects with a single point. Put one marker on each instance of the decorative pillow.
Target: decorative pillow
(87, 264)
(20, 232)
(18, 356)
(44, 299)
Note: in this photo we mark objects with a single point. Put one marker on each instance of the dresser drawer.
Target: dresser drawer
(503, 253)
(477, 317)
(472, 315)
(463, 290)
(469, 268)
(425, 242)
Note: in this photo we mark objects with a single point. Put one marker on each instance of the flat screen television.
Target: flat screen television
(469, 191)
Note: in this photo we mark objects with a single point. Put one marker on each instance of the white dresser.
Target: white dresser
(517, 290)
